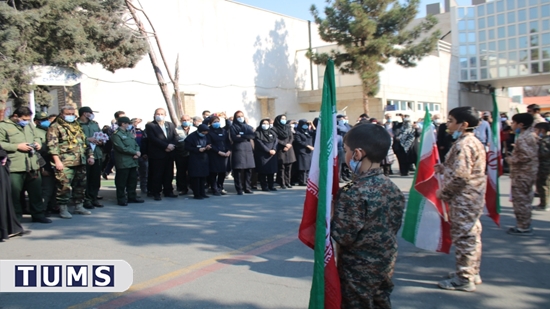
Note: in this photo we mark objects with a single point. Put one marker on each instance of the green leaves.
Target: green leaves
(371, 33)
(63, 33)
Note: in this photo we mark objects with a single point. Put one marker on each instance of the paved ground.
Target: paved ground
(242, 252)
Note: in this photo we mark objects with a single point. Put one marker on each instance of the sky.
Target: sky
(300, 8)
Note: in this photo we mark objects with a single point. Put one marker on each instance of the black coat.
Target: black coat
(242, 155)
(286, 157)
(303, 154)
(157, 142)
(265, 162)
(220, 142)
(198, 161)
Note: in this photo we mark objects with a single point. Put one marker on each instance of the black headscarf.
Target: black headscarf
(283, 130)
(241, 127)
(264, 135)
(302, 122)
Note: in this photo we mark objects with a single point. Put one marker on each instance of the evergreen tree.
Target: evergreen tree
(62, 33)
(370, 33)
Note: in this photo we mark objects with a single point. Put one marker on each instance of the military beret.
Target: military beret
(85, 109)
(41, 116)
(123, 120)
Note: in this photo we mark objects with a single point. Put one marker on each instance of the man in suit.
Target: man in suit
(161, 143)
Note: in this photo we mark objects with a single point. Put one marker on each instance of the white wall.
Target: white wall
(230, 53)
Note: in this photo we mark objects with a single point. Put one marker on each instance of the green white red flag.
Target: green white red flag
(322, 185)
(426, 222)
(494, 168)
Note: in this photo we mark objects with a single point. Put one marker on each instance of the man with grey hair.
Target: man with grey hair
(197, 120)
(182, 155)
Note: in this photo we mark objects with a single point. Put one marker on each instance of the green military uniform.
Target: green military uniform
(543, 174)
(24, 168)
(93, 172)
(125, 147)
(68, 142)
(48, 173)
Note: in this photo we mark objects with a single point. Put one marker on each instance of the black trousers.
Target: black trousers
(283, 176)
(197, 185)
(241, 185)
(161, 174)
(266, 181)
(302, 177)
(403, 159)
(215, 181)
(182, 179)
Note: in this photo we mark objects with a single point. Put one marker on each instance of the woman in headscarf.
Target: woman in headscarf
(9, 225)
(265, 150)
(285, 153)
(402, 145)
(303, 147)
(198, 144)
(242, 160)
(219, 155)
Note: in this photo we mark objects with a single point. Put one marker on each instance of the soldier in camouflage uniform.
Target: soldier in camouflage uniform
(48, 174)
(463, 188)
(543, 174)
(93, 172)
(524, 163)
(126, 162)
(67, 145)
(18, 139)
(367, 215)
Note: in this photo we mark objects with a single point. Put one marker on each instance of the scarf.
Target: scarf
(263, 135)
(282, 130)
(406, 136)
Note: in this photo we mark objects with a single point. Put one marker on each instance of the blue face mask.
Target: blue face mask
(457, 134)
(185, 124)
(283, 121)
(23, 123)
(201, 135)
(518, 131)
(305, 127)
(547, 119)
(240, 119)
(45, 123)
(216, 125)
(130, 127)
(355, 166)
(69, 118)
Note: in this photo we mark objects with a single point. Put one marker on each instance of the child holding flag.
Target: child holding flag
(463, 188)
(367, 216)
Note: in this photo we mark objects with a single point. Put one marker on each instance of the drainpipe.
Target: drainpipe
(310, 62)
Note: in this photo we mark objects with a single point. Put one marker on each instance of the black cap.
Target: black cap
(85, 109)
(202, 128)
(123, 119)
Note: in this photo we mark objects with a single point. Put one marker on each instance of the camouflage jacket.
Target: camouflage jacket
(126, 147)
(68, 142)
(12, 134)
(89, 129)
(544, 155)
(464, 173)
(367, 215)
(524, 159)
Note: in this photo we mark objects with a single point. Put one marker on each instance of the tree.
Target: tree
(370, 33)
(62, 33)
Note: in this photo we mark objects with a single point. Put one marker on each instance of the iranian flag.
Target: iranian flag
(494, 168)
(322, 184)
(427, 223)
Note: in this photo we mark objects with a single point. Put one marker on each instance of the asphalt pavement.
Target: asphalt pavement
(242, 252)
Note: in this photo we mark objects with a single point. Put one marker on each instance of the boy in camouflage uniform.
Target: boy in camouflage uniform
(524, 164)
(67, 145)
(463, 188)
(367, 216)
(543, 174)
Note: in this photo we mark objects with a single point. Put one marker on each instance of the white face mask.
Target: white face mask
(265, 126)
(91, 116)
(159, 118)
(222, 123)
(437, 121)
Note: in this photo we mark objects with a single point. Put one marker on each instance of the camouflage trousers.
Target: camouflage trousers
(366, 295)
(466, 237)
(73, 177)
(542, 184)
(522, 198)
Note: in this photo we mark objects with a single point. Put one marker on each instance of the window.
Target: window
(432, 107)
(419, 107)
(481, 23)
(511, 4)
(511, 17)
(522, 15)
(400, 105)
(533, 26)
(512, 30)
(500, 6)
(501, 20)
(512, 44)
(534, 13)
(480, 10)
(490, 21)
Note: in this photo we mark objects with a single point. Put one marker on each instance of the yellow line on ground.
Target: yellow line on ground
(182, 271)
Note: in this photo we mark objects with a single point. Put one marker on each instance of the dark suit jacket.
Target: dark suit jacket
(157, 142)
